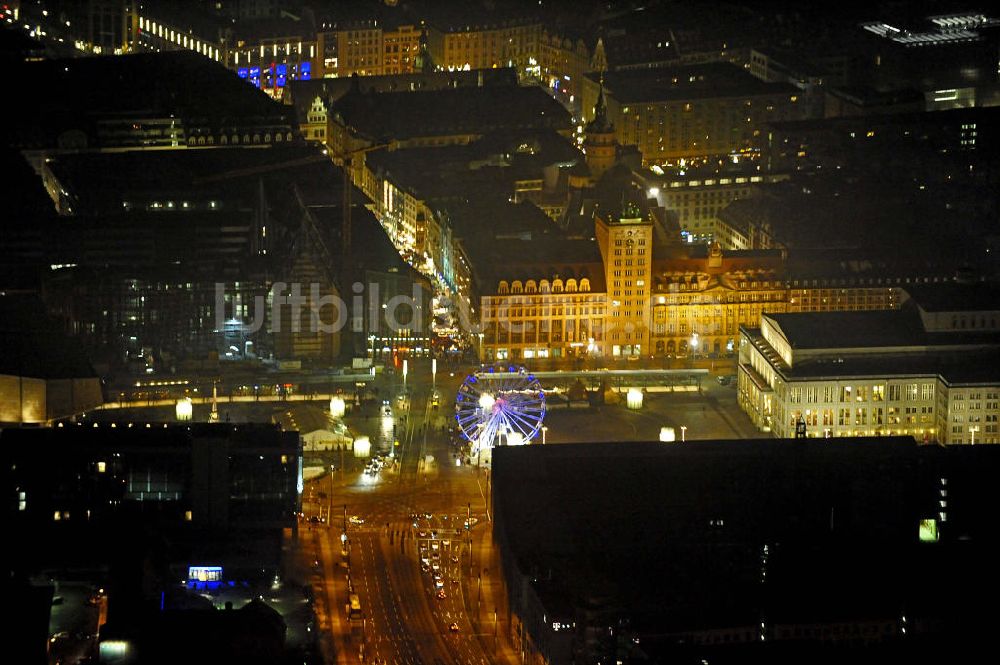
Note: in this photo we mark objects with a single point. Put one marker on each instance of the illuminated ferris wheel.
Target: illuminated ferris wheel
(500, 407)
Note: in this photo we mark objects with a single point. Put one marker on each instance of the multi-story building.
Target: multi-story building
(352, 48)
(140, 102)
(203, 486)
(694, 299)
(875, 142)
(426, 118)
(311, 98)
(553, 310)
(455, 43)
(626, 245)
(697, 196)
(927, 370)
(416, 227)
(99, 27)
(726, 573)
(692, 112)
(951, 58)
(562, 62)
(401, 46)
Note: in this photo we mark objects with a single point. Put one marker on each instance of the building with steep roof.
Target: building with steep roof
(600, 145)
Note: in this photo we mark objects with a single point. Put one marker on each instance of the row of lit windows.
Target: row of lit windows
(880, 392)
(179, 38)
(543, 286)
(848, 417)
(503, 313)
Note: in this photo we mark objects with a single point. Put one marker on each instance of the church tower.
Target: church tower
(600, 144)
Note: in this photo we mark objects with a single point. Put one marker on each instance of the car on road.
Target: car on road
(441, 595)
(454, 627)
(438, 584)
(354, 519)
(446, 543)
(422, 534)
(424, 568)
(454, 559)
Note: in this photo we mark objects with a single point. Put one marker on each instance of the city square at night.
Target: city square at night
(499, 332)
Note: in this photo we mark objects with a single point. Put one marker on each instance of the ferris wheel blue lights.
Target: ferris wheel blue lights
(500, 407)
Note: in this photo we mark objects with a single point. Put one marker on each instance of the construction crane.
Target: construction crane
(346, 157)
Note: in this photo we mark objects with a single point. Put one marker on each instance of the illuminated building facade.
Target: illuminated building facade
(692, 112)
(400, 48)
(927, 370)
(626, 245)
(698, 304)
(698, 197)
(367, 48)
(484, 46)
(562, 62)
(688, 303)
(101, 27)
(557, 315)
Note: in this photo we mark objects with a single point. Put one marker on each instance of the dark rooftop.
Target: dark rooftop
(78, 93)
(406, 115)
(851, 330)
(26, 444)
(32, 345)
(673, 533)
(303, 92)
(956, 296)
(891, 343)
(707, 81)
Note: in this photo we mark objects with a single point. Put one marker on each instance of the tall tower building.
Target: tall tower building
(626, 243)
(600, 144)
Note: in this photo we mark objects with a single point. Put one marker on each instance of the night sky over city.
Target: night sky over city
(499, 332)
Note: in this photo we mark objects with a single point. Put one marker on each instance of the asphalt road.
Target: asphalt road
(404, 619)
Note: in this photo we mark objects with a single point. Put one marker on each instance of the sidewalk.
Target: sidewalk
(498, 648)
(336, 598)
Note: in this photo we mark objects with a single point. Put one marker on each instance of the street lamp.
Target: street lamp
(972, 434)
(683, 432)
(694, 347)
(544, 430)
